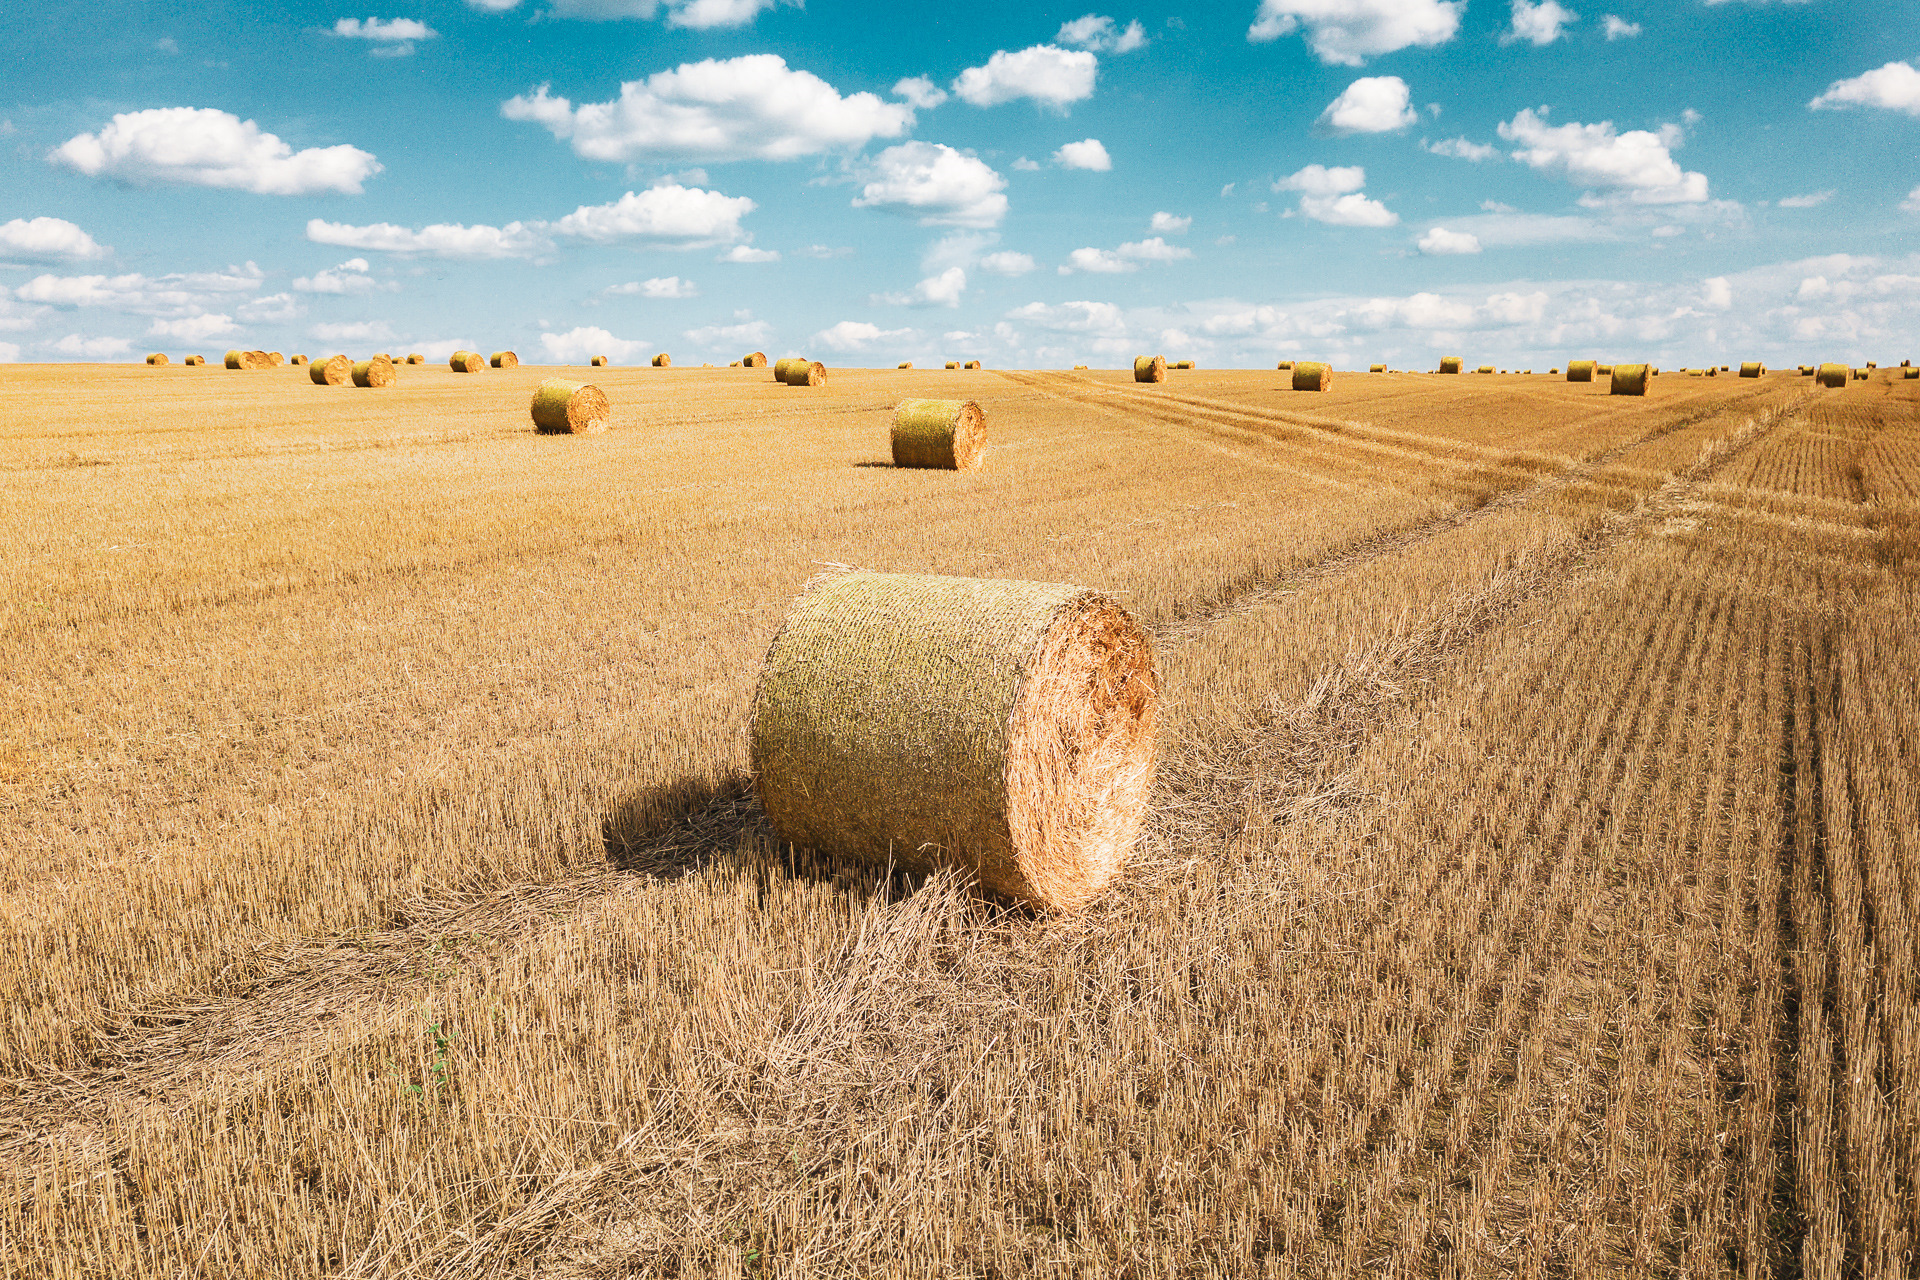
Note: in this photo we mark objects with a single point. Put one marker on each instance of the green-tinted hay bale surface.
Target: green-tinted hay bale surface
(1149, 368)
(1752, 369)
(466, 362)
(1311, 375)
(754, 360)
(374, 372)
(1452, 364)
(158, 357)
(598, 361)
(335, 371)
(804, 373)
(943, 434)
(504, 360)
(1580, 370)
(196, 360)
(1628, 380)
(561, 407)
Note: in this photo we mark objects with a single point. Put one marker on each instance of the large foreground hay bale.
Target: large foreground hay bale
(754, 360)
(1310, 375)
(1752, 369)
(1580, 370)
(466, 362)
(504, 360)
(1007, 728)
(805, 373)
(336, 371)
(949, 435)
(158, 357)
(570, 408)
(1628, 380)
(374, 372)
(198, 360)
(1149, 368)
(663, 361)
(1452, 364)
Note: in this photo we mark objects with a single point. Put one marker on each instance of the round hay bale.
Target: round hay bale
(1752, 369)
(754, 360)
(953, 364)
(805, 373)
(1376, 368)
(1909, 372)
(1860, 374)
(948, 435)
(1872, 365)
(504, 360)
(376, 371)
(1284, 365)
(1485, 368)
(158, 357)
(336, 371)
(416, 358)
(1182, 364)
(598, 361)
(236, 360)
(195, 360)
(971, 364)
(1149, 368)
(1628, 380)
(663, 361)
(905, 364)
(570, 408)
(1580, 370)
(1005, 728)
(785, 363)
(467, 362)
(275, 359)
(1452, 364)
(1310, 375)
(1602, 370)
(297, 359)
(1079, 367)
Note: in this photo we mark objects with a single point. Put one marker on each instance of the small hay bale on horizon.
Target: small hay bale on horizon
(1752, 368)
(1284, 365)
(568, 408)
(504, 360)
(1376, 368)
(335, 371)
(298, 358)
(1005, 728)
(1149, 368)
(663, 361)
(905, 364)
(195, 360)
(1832, 375)
(1628, 380)
(754, 360)
(597, 361)
(375, 371)
(466, 362)
(953, 364)
(1311, 375)
(1485, 368)
(157, 358)
(945, 435)
(971, 364)
(1908, 372)
(1181, 364)
(1452, 364)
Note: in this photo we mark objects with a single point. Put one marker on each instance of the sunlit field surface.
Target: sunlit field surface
(1530, 885)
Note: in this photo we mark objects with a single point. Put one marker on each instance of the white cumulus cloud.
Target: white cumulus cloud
(1538, 24)
(1618, 28)
(1127, 257)
(581, 345)
(1048, 74)
(1168, 224)
(92, 348)
(349, 277)
(48, 240)
(1439, 241)
(700, 15)
(746, 253)
(1460, 149)
(1808, 201)
(1319, 180)
(1008, 263)
(920, 92)
(440, 240)
(753, 333)
(171, 297)
(207, 148)
(753, 107)
(1101, 34)
(857, 335)
(1894, 87)
(943, 290)
(1351, 210)
(1085, 154)
(686, 216)
(391, 38)
(1912, 203)
(1372, 104)
(354, 331)
(1348, 32)
(1637, 165)
(657, 287)
(194, 328)
(942, 186)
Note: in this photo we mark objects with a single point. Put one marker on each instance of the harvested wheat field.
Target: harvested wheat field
(1528, 884)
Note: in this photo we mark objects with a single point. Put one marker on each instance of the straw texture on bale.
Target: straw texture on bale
(1183, 364)
(784, 363)
(1752, 369)
(1628, 380)
(158, 357)
(1451, 364)
(948, 435)
(374, 372)
(1376, 368)
(1602, 370)
(663, 361)
(754, 360)
(504, 360)
(971, 364)
(275, 359)
(195, 360)
(298, 359)
(805, 373)
(570, 408)
(1006, 728)
(1310, 375)
(416, 358)
(467, 362)
(336, 371)
(1149, 368)
(1580, 370)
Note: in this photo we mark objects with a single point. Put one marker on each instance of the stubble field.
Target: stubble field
(1530, 884)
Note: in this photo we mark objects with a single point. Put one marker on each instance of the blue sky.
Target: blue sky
(1354, 180)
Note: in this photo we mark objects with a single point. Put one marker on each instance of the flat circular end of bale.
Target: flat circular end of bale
(374, 372)
(504, 360)
(335, 371)
(158, 357)
(1311, 375)
(663, 361)
(947, 435)
(561, 407)
(1628, 380)
(1149, 368)
(972, 364)
(754, 360)
(297, 359)
(1005, 728)
(195, 360)
(953, 364)
(598, 361)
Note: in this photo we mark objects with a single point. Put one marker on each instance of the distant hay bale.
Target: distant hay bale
(1376, 368)
(1004, 728)
(570, 408)
(805, 373)
(754, 360)
(158, 357)
(1485, 368)
(195, 360)
(663, 361)
(1149, 368)
(1079, 367)
(1628, 380)
(297, 359)
(374, 372)
(947, 435)
(504, 360)
(953, 364)
(1580, 370)
(336, 371)
(1527, 371)
(236, 360)
(1284, 365)
(597, 361)
(1872, 365)
(1310, 375)
(1908, 372)
(971, 364)
(416, 358)
(275, 359)
(1181, 364)
(1554, 372)
(467, 362)
(1451, 364)
(1713, 373)
(1602, 370)
(904, 364)
(1832, 375)
(1860, 374)
(1752, 369)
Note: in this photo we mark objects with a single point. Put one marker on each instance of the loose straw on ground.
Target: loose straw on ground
(504, 360)
(336, 371)
(1311, 375)
(570, 408)
(1628, 380)
(949, 435)
(374, 372)
(1006, 728)
(1149, 368)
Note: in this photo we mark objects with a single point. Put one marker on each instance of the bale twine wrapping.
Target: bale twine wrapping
(198, 360)
(948, 435)
(754, 360)
(1580, 370)
(374, 372)
(971, 364)
(1628, 380)
(1752, 369)
(1310, 375)
(158, 357)
(1149, 368)
(953, 364)
(1452, 364)
(1006, 728)
(597, 361)
(335, 371)
(1376, 368)
(805, 373)
(570, 408)
(663, 361)
(504, 360)
(467, 362)
(298, 358)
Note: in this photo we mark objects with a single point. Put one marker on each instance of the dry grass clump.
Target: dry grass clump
(466, 362)
(376, 371)
(943, 434)
(561, 407)
(1628, 380)
(195, 360)
(1007, 729)
(504, 360)
(1752, 369)
(158, 357)
(1149, 368)
(1451, 364)
(1581, 370)
(335, 371)
(803, 373)
(1311, 375)
(754, 360)
(663, 361)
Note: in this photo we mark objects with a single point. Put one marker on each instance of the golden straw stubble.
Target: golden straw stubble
(1005, 728)
(466, 362)
(334, 371)
(504, 360)
(374, 372)
(944, 434)
(1311, 375)
(1149, 368)
(561, 407)
(1628, 380)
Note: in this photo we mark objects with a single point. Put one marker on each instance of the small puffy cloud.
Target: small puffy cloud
(753, 333)
(1912, 203)
(699, 15)
(1048, 74)
(392, 38)
(1169, 225)
(207, 148)
(687, 217)
(705, 15)
(1102, 319)
(1085, 154)
(1538, 24)
(1894, 87)
(581, 345)
(193, 328)
(1348, 32)
(1153, 250)
(1618, 28)
(1025, 165)
(942, 186)
(167, 44)
(1716, 293)
(1008, 263)
(1460, 149)
(1372, 104)
(1318, 180)
(275, 308)
(440, 240)
(857, 335)
(1127, 257)
(48, 240)
(920, 92)
(354, 331)
(1808, 201)
(746, 253)
(1636, 165)
(349, 277)
(657, 287)
(438, 349)
(754, 107)
(1351, 210)
(1439, 242)
(1102, 34)
(92, 348)
(943, 290)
